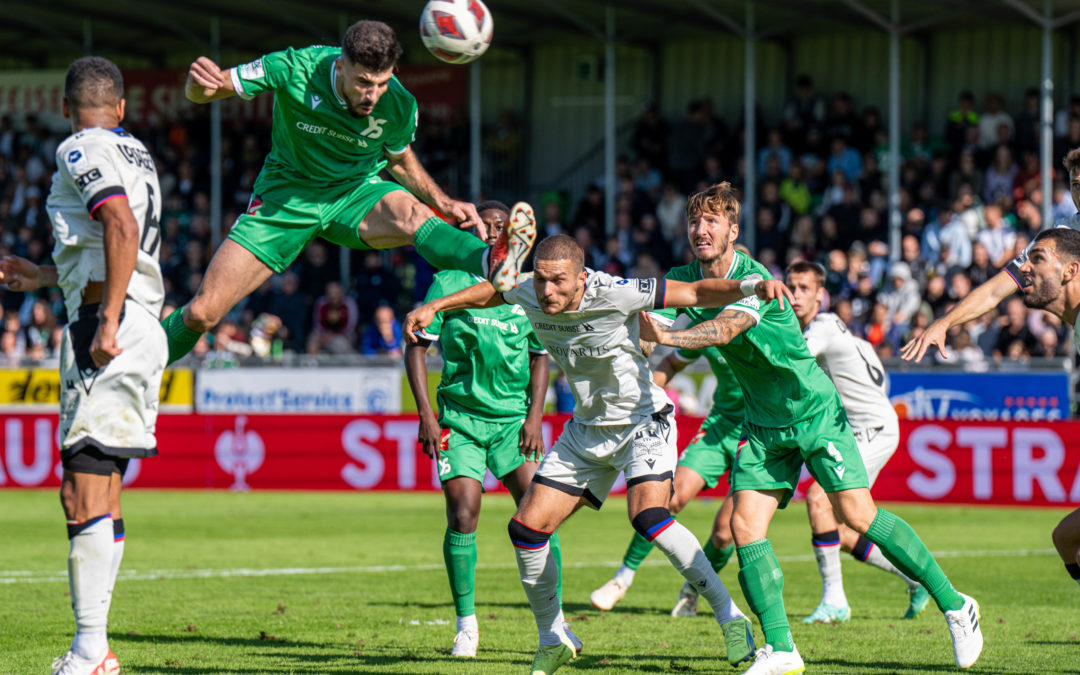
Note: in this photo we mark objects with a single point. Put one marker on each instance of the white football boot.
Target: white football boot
(967, 637)
(769, 662)
(687, 603)
(73, 664)
(608, 595)
(465, 644)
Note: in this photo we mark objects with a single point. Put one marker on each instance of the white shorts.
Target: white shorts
(113, 409)
(876, 445)
(587, 459)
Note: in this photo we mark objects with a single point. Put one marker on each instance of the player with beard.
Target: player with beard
(623, 422)
(709, 455)
(340, 118)
(794, 417)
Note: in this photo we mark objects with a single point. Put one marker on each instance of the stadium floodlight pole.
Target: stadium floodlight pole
(609, 121)
(895, 220)
(474, 131)
(1047, 114)
(215, 143)
(749, 214)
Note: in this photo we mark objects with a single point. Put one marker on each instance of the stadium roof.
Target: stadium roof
(166, 33)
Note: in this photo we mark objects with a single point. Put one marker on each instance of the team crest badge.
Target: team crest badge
(254, 204)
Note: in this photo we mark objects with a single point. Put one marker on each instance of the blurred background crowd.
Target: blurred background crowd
(970, 194)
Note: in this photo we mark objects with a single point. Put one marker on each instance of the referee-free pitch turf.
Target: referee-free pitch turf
(299, 582)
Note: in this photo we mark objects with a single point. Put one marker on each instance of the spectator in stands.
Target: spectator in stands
(845, 159)
(383, 337)
(991, 119)
(901, 295)
(998, 238)
(688, 146)
(776, 149)
(376, 284)
(333, 322)
(288, 305)
(650, 139)
(1014, 329)
(959, 121)
(981, 268)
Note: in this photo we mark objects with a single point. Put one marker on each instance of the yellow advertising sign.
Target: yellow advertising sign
(40, 387)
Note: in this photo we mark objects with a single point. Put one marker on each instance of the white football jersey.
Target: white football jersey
(597, 346)
(854, 368)
(94, 166)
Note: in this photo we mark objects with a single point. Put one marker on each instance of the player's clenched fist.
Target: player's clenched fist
(416, 321)
(204, 79)
(771, 289)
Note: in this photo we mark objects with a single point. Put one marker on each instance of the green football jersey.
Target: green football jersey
(728, 397)
(485, 353)
(317, 143)
(781, 381)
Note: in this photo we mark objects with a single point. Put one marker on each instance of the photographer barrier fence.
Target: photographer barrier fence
(998, 463)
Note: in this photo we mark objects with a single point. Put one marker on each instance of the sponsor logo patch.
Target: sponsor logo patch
(88, 178)
(252, 71)
(76, 157)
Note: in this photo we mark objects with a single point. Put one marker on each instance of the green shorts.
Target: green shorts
(712, 451)
(471, 445)
(772, 458)
(281, 219)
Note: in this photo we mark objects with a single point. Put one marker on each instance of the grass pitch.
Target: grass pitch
(214, 582)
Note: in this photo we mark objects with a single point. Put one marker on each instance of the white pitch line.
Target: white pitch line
(40, 577)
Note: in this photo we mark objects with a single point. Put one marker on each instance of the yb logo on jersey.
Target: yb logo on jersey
(374, 128)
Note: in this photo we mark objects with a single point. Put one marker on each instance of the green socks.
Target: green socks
(763, 585)
(449, 248)
(719, 557)
(556, 553)
(903, 548)
(459, 552)
(181, 338)
(636, 552)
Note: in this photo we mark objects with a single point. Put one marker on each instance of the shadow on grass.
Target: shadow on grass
(254, 641)
(569, 608)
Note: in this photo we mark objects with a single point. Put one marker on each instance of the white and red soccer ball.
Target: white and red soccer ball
(456, 31)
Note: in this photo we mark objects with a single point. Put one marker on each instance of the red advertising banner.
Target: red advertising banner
(1002, 463)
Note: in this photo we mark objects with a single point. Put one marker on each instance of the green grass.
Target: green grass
(368, 620)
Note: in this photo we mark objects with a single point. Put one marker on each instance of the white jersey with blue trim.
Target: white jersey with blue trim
(852, 365)
(94, 166)
(597, 346)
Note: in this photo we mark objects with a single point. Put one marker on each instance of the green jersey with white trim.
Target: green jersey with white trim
(317, 143)
(780, 380)
(485, 353)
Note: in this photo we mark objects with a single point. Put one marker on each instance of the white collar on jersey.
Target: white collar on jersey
(333, 83)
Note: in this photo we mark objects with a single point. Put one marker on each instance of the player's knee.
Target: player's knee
(524, 537)
(417, 214)
(677, 503)
(650, 522)
(745, 530)
(199, 316)
(67, 498)
(1064, 539)
(463, 518)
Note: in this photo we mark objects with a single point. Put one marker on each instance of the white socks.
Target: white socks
(118, 556)
(467, 623)
(90, 564)
(625, 576)
(539, 578)
(682, 549)
(876, 558)
(832, 579)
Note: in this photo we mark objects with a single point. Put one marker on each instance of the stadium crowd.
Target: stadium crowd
(970, 194)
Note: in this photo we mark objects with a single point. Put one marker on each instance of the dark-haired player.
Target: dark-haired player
(622, 421)
(340, 118)
(491, 404)
(104, 205)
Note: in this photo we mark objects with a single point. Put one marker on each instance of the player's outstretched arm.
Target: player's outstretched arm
(721, 330)
(532, 435)
(978, 302)
(722, 292)
(21, 275)
(478, 296)
(207, 82)
(407, 170)
(429, 434)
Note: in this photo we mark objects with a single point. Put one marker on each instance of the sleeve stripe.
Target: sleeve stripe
(434, 337)
(1016, 279)
(743, 308)
(661, 291)
(540, 352)
(398, 152)
(104, 195)
(238, 84)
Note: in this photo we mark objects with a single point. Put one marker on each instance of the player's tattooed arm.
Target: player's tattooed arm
(727, 325)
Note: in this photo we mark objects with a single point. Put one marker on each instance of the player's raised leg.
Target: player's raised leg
(1067, 542)
(902, 546)
(233, 273)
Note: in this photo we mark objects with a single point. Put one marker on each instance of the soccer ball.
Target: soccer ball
(456, 31)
